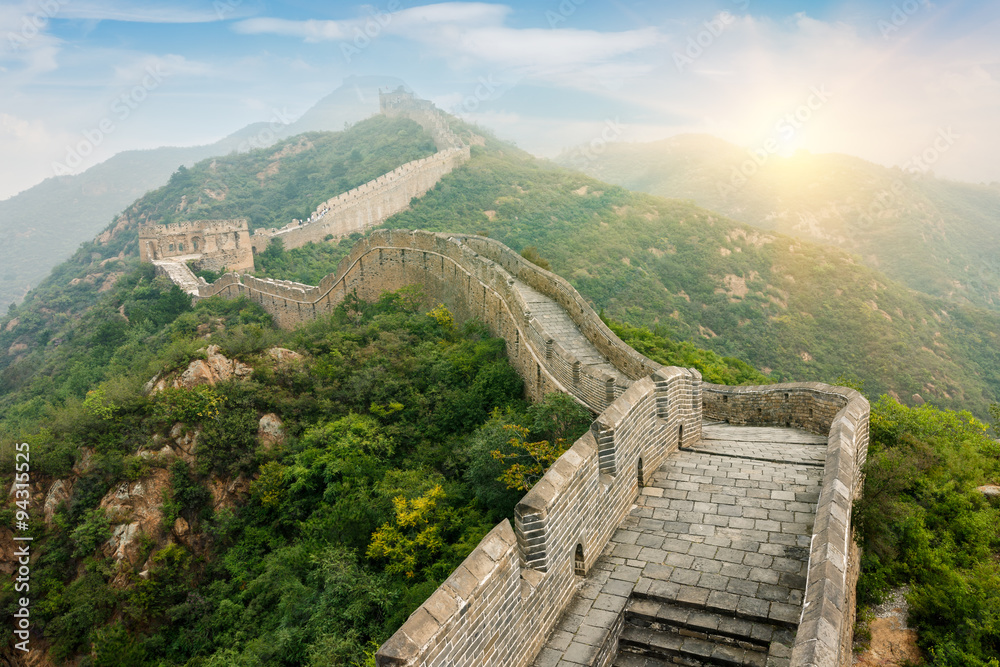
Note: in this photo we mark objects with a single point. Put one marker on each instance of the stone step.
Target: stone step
(636, 660)
(684, 650)
(736, 614)
(704, 624)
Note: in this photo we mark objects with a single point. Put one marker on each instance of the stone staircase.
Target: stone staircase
(659, 631)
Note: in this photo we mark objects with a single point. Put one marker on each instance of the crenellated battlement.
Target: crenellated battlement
(211, 244)
(500, 606)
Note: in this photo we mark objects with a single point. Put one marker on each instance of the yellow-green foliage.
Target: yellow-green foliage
(442, 316)
(413, 538)
(530, 459)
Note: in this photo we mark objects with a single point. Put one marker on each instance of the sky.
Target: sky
(912, 83)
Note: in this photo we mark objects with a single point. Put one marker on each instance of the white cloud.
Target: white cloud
(472, 35)
(152, 12)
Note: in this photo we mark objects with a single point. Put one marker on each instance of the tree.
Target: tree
(529, 466)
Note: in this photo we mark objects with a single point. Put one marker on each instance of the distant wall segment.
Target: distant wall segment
(374, 202)
(211, 244)
(367, 205)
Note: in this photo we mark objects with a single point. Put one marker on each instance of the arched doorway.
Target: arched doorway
(579, 565)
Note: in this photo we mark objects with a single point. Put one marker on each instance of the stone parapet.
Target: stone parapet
(826, 627)
(561, 527)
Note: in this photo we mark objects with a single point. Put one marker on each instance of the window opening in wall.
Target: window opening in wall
(680, 434)
(786, 397)
(180, 247)
(725, 399)
(638, 470)
(170, 248)
(579, 566)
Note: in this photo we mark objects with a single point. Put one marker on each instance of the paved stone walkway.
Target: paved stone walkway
(179, 273)
(710, 566)
(556, 321)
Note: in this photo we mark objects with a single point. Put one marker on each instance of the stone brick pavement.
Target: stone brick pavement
(557, 322)
(710, 566)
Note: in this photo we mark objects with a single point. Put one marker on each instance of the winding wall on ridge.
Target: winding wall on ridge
(499, 606)
(373, 202)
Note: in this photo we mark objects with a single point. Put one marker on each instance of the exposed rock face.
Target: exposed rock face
(226, 493)
(216, 367)
(134, 509)
(58, 493)
(989, 490)
(185, 442)
(271, 431)
(893, 644)
(282, 355)
(83, 463)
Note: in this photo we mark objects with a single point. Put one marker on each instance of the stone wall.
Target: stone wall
(401, 104)
(212, 244)
(498, 607)
(826, 627)
(367, 205)
(471, 284)
(374, 202)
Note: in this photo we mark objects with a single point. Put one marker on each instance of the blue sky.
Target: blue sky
(881, 80)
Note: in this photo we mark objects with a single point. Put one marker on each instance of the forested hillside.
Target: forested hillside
(270, 186)
(932, 235)
(798, 311)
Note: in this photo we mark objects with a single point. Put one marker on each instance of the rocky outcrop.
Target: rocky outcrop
(214, 368)
(58, 493)
(134, 509)
(271, 431)
(282, 356)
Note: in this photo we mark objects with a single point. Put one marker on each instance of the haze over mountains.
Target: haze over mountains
(43, 225)
(935, 236)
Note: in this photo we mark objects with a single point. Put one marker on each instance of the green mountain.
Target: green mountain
(296, 510)
(43, 225)
(936, 236)
(797, 310)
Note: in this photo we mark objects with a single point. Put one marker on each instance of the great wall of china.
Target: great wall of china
(693, 523)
